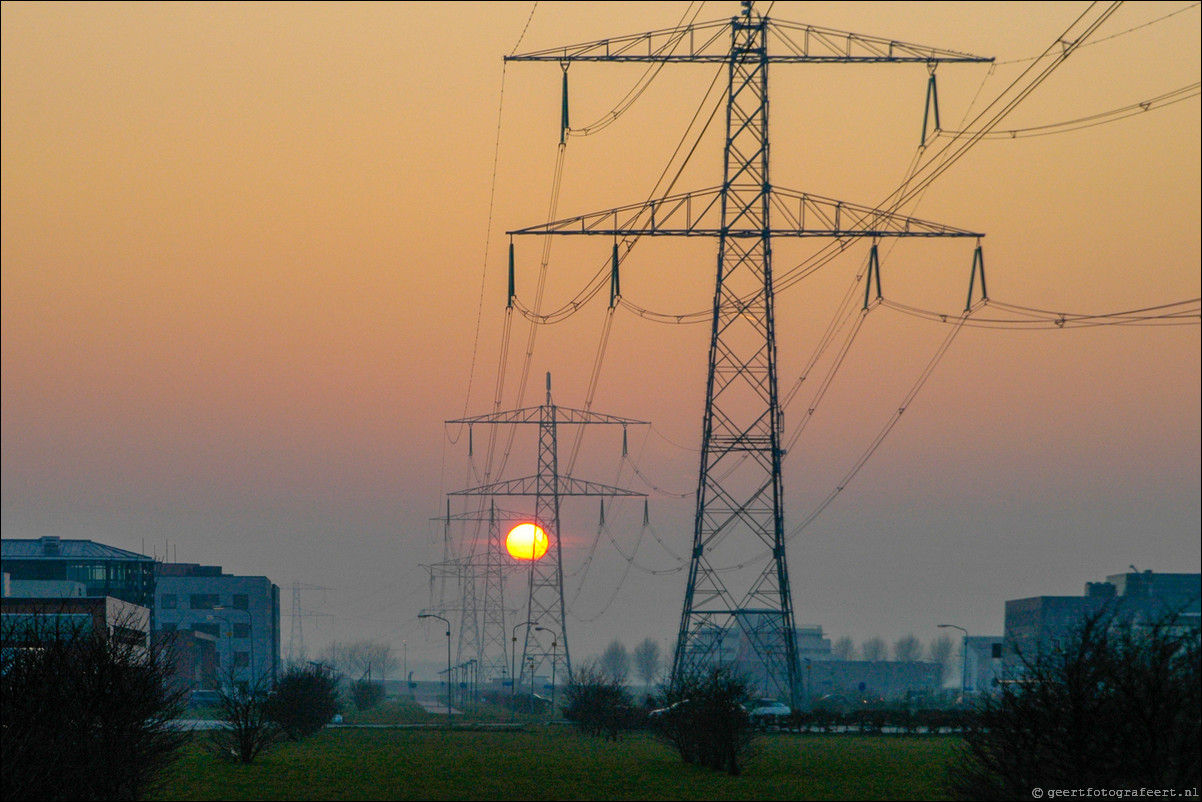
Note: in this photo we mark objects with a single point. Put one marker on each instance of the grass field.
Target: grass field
(555, 763)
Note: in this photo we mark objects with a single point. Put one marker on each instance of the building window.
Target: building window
(204, 601)
(168, 601)
(208, 629)
(241, 659)
(997, 651)
(241, 601)
(241, 630)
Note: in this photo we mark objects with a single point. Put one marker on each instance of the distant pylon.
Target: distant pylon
(296, 636)
(493, 644)
(546, 603)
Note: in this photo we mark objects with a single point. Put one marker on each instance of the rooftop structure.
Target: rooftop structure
(102, 570)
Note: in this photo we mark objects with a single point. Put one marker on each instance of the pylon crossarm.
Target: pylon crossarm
(563, 415)
(698, 214)
(701, 42)
(530, 486)
(709, 43)
(810, 43)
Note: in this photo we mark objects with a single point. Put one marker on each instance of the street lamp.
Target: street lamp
(963, 657)
(448, 623)
(554, 642)
(250, 635)
(513, 656)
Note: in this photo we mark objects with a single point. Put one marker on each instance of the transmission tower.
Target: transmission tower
(482, 615)
(548, 644)
(296, 637)
(739, 492)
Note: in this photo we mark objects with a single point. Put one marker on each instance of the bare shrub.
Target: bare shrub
(246, 730)
(1116, 705)
(85, 715)
(597, 703)
(304, 700)
(706, 720)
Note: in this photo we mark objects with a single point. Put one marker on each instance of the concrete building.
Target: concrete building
(983, 669)
(26, 621)
(238, 615)
(1042, 622)
(872, 679)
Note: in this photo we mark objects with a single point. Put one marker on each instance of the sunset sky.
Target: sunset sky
(254, 256)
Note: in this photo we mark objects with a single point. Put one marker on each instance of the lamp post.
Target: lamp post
(448, 623)
(250, 635)
(554, 641)
(513, 656)
(963, 657)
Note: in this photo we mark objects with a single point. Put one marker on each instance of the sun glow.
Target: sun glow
(526, 542)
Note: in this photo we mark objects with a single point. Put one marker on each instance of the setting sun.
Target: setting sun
(526, 542)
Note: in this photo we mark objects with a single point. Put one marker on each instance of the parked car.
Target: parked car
(663, 711)
(768, 710)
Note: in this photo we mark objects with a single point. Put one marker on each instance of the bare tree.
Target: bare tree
(360, 659)
(247, 727)
(908, 649)
(844, 649)
(874, 649)
(615, 661)
(647, 660)
(940, 652)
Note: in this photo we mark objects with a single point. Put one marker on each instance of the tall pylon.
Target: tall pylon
(734, 612)
(481, 592)
(548, 645)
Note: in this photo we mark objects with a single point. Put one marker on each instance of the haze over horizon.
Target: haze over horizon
(254, 257)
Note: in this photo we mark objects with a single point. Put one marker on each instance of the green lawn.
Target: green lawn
(557, 763)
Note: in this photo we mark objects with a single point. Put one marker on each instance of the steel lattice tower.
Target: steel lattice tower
(546, 603)
(493, 645)
(482, 614)
(740, 503)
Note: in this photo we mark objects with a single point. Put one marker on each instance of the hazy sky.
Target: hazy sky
(254, 257)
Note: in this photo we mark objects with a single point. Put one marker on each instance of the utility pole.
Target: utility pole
(548, 486)
(740, 496)
(449, 689)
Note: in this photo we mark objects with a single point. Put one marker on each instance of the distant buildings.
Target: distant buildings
(822, 676)
(238, 615)
(1041, 622)
(869, 679)
(218, 625)
(983, 667)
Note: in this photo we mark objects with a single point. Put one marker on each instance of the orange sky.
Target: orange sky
(247, 249)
